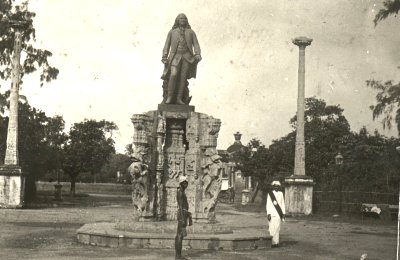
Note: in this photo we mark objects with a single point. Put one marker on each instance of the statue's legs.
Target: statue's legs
(171, 83)
(182, 81)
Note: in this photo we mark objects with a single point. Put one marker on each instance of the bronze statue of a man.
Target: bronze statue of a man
(181, 54)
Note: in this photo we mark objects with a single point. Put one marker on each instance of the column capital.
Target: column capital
(302, 41)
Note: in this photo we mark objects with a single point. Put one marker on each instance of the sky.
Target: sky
(109, 56)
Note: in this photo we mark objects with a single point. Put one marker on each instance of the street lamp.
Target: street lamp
(339, 163)
(339, 159)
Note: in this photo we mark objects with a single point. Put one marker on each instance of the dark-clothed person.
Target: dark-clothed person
(183, 216)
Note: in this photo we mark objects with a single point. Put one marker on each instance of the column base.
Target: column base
(12, 183)
(298, 195)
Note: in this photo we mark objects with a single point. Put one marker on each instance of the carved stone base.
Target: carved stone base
(12, 183)
(298, 195)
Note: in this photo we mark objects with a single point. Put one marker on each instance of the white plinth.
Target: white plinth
(12, 186)
(298, 194)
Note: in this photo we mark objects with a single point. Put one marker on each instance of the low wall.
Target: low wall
(95, 188)
(329, 201)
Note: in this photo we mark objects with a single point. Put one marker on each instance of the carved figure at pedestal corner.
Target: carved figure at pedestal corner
(210, 130)
(211, 165)
(161, 124)
(180, 56)
(139, 172)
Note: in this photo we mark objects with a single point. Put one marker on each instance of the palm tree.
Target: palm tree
(388, 97)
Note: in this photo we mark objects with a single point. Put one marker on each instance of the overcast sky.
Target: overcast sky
(109, 56)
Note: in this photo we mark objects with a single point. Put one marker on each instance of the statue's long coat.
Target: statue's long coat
(171, 45)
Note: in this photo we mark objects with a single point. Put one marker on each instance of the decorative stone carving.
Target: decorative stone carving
(140, 170)
(211, 165)
(143, 128)
(174, 141)
(209, 129)
(174, 154)
(140, 181)
(161, 129)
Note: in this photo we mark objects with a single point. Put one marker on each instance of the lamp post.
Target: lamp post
(339, 165)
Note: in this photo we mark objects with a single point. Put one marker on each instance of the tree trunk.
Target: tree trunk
(253, 197)
(72, 191)
(263, 197)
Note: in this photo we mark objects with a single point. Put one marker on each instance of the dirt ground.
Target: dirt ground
(48, 231)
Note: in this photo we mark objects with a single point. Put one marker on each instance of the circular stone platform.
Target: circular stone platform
(161, 235)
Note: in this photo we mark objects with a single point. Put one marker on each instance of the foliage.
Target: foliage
(36, 59)
(325, 125)
(370, 162)
(388, 102)
(390, 7)
(254, 162)
(40, 142)
(117, 163)
(388, 97)
(89, 147)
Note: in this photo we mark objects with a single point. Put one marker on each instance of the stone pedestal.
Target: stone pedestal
(298, 195)
(57, 192)
(12, 183)
(245, 197)
(172, 141)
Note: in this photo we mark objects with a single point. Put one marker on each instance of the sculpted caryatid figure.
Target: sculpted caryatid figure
(181, 54)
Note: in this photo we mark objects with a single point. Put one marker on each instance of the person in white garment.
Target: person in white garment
(275, 211)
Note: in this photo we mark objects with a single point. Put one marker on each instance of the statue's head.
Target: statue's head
(181, 21)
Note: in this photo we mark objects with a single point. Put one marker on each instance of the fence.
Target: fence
(329, 201)
(96, 188)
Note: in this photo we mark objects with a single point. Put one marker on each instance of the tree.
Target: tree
(88, 148)
(388, 102)
(388, 97)
(390, 7)
(39, 146)
(117, 163)
(325, 126)
(370, 162)
(254, 162)
(36, 59)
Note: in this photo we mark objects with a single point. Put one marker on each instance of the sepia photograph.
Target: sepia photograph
(230, 129)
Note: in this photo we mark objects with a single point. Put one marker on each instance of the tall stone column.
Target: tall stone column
(12, 157)
(12, 180)
(299, 162)
(299, 187)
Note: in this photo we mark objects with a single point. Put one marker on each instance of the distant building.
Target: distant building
(231, 175)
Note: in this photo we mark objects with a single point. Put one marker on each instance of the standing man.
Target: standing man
(183, 216)
(181, 54)
(275, 211)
